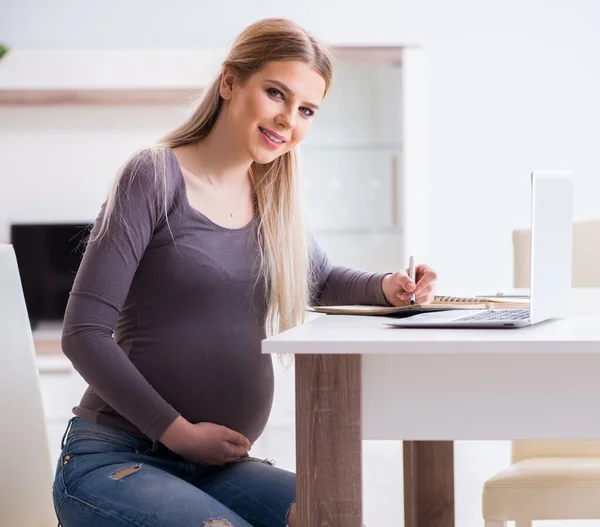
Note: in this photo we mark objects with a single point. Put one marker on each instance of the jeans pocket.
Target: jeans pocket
(86, 452)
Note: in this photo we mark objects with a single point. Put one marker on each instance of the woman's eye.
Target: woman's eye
(274, 92)
(307, 111)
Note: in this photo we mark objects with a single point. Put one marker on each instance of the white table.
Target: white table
(358, 379)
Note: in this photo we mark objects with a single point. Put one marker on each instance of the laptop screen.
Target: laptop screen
(551, 244)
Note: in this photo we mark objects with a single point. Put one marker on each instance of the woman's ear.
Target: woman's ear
(226, 85)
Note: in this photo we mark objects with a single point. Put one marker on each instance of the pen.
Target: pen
(411, 274)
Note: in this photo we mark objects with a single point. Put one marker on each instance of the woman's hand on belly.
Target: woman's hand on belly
(205, 443)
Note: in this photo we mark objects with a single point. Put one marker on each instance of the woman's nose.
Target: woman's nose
(286, 119)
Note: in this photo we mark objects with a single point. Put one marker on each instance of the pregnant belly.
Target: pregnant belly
(232, 390)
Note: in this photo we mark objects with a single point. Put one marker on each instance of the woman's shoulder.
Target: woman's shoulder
(149, 161)
(149, 175)
(152, 167)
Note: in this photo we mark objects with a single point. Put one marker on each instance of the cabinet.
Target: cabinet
(353, 188)
(355, 165)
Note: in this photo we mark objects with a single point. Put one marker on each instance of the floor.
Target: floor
(475, 461)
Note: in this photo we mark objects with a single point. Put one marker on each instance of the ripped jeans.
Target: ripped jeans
(108, 478)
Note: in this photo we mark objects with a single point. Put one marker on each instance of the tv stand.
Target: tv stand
(47, 336)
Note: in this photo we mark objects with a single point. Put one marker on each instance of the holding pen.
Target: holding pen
(414, 285)
(411, 274)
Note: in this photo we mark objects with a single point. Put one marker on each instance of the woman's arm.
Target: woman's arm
(337, 285)
(99, 292)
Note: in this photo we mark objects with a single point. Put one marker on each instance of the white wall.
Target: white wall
(68, 176)
(512, 86)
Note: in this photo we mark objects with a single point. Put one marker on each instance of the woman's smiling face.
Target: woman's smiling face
(273, 110)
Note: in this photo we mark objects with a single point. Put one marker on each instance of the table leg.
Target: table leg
(428, 483)
(328, 440)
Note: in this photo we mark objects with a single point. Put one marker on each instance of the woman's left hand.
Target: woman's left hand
(398, 286)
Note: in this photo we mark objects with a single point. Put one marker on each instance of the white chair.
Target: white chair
(586, 255)
(550, 480)
(26, 482)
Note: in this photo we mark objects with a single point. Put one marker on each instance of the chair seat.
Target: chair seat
(545, 488)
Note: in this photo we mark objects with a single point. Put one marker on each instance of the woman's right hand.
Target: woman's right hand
(205, 443)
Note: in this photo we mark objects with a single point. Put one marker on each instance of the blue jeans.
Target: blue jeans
(108, 478)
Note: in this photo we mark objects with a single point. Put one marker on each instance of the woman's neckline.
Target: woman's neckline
(246, 227)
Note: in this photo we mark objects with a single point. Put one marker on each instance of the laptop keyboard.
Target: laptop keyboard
(499, 314)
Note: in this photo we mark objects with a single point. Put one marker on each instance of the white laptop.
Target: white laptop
(550, 271)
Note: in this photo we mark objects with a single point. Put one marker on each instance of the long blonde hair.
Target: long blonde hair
(285, 263)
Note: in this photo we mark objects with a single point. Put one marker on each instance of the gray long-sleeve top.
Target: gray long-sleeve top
(185, 307)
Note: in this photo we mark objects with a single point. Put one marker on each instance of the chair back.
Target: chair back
(586, 273)
(26, 482)
(528, 449)
(586, 255)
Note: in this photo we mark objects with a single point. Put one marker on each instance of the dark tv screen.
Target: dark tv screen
(48, 257)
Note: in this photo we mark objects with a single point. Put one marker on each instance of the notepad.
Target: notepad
(440, 303)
